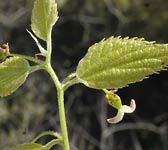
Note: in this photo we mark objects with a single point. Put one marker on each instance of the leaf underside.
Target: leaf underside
(117, 62)
(44, 16)
(13, 73)
(30, 146)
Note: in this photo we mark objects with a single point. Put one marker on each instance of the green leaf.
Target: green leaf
(13, 73)
(117, 62)
(44, 16)
(30, 146)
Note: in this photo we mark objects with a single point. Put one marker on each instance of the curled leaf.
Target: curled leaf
(117, 62)
(13, 73)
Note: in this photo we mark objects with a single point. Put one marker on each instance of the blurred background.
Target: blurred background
(32, 109)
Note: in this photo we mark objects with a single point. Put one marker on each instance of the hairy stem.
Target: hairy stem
(52, 143)
(32, 59)
(70, 77)
(60, 94)
(36, 68)
(54, 134)
(49, 48)
(61, 107)
(69, 83)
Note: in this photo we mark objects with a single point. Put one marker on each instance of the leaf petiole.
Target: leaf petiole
(49, 145)
(46, 133)
(32, 59)
(69, 83)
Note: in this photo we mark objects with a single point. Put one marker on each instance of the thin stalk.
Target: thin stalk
(70, 83)
(60, 93)
(49, 48)
(36, 68)
(54, 134)
(63, 118)
(61, 107)
(49, 145)
(70, 77)
(32, 59)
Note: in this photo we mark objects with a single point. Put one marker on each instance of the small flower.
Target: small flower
(120, 114)
(115, 101)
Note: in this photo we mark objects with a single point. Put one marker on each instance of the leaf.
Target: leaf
(29, 146)
(117, 62)
(13, 73)
(44, 16)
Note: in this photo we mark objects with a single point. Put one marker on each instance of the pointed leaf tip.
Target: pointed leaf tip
(117, 62)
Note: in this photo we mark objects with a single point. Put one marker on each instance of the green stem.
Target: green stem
(69, 83)
(49, 145)
(63, 118)
(70, 77)
(36, 68)
(54, 134)
(35, 60)
(60, 93)
(49, 48)
(61, 107)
